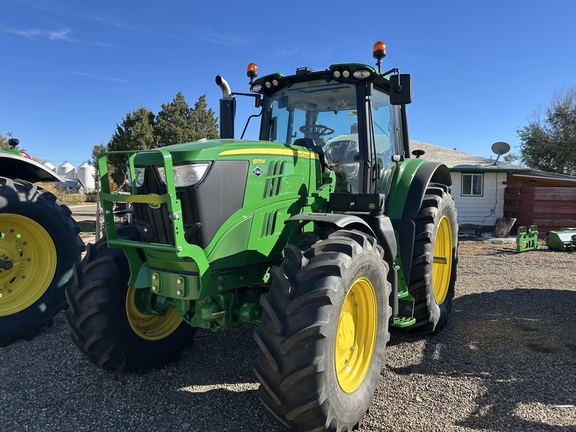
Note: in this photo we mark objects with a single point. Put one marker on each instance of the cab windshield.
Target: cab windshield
(325, 113)
(313, 109)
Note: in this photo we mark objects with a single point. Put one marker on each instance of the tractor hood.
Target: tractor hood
(211, 150)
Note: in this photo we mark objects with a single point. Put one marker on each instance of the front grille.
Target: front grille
(155, 224)
(205, 207)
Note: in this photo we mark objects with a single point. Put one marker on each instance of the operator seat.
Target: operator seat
(342, 155)
(310, 144)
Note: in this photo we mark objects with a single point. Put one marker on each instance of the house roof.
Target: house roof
(543, 178)
(461, 162)
(458, 161)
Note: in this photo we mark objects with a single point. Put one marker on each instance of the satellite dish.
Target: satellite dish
(500, 148)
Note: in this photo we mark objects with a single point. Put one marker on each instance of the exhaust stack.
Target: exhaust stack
(227, 109)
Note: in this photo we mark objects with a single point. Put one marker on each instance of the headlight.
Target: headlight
(362, 73)
(187, 175)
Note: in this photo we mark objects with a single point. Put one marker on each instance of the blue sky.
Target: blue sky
(71, 70)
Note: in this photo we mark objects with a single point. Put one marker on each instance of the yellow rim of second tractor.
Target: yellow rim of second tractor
(356, 335)
(442, 266)
(31, 250)
(150, 327)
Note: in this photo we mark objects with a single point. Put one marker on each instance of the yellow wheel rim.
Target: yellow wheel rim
(442, 266)
(150, 327)
(29, 249)
(356, 335)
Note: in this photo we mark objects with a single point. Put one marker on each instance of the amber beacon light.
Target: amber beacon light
(379, 52)
(251, 71)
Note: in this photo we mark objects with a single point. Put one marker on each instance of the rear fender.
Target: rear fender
(405, 202)
(429, 172)
(16, 166)
(338, 221)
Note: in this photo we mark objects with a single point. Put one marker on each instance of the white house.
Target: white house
(478, 183)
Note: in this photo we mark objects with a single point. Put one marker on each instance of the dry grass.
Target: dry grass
(65, 197)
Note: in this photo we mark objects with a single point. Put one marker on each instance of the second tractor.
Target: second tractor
(39, 244)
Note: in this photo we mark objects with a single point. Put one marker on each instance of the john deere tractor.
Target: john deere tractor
(39, 244)
(322, 234)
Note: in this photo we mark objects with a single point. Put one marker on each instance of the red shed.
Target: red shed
(540, 198)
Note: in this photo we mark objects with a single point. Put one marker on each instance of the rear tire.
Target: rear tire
(105, 323)
(434, 260)
(39, 241)
(323, 334)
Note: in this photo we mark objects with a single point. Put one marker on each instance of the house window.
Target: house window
(472, 184)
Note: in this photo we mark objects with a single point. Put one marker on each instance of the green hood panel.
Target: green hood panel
(210, 150)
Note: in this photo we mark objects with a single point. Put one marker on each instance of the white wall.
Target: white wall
(478, 210)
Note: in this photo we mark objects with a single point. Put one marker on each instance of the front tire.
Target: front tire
(323, 334)
(106, 324)
(434, 260)
(39, 244)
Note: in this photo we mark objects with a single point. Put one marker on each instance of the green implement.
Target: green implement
(527, 240)
(563, 239)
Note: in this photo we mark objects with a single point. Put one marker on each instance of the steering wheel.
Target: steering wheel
(318, 129)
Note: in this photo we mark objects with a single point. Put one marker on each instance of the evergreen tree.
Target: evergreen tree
(175, 123)
(204, 120)
(136, 132)
(96, 150)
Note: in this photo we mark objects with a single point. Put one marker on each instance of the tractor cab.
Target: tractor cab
(347, 113)
(323, 115)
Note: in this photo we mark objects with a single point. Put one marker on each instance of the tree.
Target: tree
(177, 123)
(174, 124)
(135, 133)
(549, 141)
(205, 122)
(4, 140)
(96, 150)
(511, 158)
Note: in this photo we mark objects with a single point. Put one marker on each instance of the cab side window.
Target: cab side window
(384, 139)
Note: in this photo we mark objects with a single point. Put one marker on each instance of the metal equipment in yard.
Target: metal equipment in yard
(39, 244)
(323, 234)
(563, 239)
(527, 240)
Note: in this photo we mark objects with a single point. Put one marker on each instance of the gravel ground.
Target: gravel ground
(505, 362)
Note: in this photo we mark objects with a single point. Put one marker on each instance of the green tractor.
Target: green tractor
(322, 234)
(39, 244)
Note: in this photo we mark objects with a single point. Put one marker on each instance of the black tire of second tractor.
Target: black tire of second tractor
(32, 204)
(430, 316)
(296, 338)
(97, 316)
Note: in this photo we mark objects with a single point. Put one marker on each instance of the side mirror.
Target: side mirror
(400, 89)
